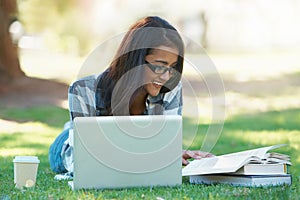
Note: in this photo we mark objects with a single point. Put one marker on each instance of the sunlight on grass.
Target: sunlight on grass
(237, 103)
(29, 138)
(265, 138)
(20, 151)
(245, 67)
(11, 127)
(244, 99)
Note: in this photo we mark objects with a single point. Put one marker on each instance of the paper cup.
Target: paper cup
(25, 170)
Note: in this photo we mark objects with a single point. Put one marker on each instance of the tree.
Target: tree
(9, 61)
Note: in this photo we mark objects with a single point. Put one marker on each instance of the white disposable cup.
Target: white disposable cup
(25, 170)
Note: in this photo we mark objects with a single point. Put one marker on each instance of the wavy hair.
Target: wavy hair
(125, 74)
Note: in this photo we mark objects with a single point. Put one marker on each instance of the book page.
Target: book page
(219, 164)
(226, 163)
(262, 169)
(260, 152)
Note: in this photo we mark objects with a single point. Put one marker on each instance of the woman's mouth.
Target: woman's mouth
(157, 84)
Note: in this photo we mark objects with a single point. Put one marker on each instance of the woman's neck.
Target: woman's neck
(138, 102)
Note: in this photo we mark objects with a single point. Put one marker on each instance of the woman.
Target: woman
(143, 79)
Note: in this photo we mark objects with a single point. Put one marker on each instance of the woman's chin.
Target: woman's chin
(154, 92)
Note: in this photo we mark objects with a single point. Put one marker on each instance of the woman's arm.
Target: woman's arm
(81, 98)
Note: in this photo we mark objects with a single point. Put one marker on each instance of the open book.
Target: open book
(231, 163)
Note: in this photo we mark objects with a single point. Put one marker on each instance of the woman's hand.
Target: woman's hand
(187, 154)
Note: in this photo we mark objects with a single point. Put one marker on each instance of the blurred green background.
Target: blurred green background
(247, 40)
(253, 45)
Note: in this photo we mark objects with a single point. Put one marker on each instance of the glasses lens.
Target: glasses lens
(161, 69)
(172, 70)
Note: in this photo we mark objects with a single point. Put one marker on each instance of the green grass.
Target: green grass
(36, 128)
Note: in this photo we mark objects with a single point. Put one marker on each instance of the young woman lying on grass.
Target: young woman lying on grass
(143, 79)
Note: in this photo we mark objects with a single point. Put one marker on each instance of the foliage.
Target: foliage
(37, 15)
(60, 23)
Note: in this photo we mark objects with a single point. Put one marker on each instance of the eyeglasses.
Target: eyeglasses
(161, 69)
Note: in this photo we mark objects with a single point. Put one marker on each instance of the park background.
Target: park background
(254, 46)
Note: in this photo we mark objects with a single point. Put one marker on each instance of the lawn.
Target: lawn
(31, 131)
(262, 108)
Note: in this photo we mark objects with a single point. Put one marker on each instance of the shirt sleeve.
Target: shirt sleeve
(172, 101)
(81, 98)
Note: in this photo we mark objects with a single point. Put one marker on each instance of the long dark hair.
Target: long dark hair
(126, 70)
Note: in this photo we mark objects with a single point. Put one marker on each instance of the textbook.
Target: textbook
(243, 180)
(230, 163)
(263, 169)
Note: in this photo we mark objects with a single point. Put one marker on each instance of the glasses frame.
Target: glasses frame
(171, 70)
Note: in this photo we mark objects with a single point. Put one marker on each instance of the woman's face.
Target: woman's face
(162, 56)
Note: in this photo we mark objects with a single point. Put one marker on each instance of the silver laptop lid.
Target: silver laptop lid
(127, 151)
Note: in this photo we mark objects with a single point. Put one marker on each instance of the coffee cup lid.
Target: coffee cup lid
(26, 159)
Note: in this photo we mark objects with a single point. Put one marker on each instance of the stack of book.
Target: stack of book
(254, 167)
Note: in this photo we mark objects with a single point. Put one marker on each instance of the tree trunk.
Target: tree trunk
(9, 61)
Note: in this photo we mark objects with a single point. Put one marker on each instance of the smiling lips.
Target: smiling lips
(157, 84)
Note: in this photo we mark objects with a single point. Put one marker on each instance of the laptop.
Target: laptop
(127, 151)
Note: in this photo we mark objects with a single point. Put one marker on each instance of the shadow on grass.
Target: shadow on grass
(284, 120)
(272, 120)
(50, 115)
